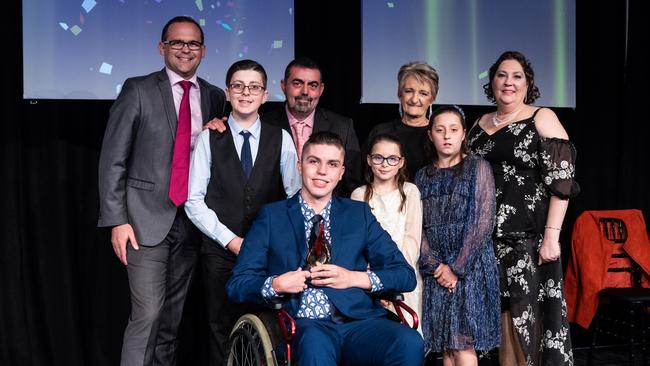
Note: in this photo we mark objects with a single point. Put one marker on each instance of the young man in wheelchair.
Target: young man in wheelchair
(337, 320)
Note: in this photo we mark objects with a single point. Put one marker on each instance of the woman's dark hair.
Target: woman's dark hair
(431, 151)
(533, 91)
(401, 173)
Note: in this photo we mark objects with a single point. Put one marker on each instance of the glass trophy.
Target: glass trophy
(319, 249)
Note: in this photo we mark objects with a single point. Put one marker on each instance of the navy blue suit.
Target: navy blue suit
(276, 244)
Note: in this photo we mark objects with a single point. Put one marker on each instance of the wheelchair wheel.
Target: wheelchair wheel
(250, 343)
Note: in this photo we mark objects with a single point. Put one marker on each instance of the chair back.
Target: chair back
(622, 271)
(614, 229)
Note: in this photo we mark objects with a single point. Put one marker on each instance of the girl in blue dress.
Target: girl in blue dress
(461, 303)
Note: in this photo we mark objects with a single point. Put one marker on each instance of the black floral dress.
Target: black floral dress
(527, 170)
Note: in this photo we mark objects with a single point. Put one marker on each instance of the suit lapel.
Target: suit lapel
(205, 101)
(168, 101)
(283, 119)
(321, 123)
(298, 225)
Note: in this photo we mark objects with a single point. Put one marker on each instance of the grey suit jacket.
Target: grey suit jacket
(326, 120)
(136, 155)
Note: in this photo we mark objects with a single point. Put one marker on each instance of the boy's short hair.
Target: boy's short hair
(245, 65)
(324, 138)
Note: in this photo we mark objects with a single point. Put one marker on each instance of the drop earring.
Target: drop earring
(401, 112)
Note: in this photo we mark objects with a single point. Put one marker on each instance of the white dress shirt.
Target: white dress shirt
(198, 211)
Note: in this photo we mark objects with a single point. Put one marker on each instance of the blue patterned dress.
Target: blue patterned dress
(458, 206)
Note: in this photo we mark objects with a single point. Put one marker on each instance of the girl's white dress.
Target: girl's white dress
(404, 227)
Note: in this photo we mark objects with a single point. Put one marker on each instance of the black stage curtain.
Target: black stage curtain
(64, 296)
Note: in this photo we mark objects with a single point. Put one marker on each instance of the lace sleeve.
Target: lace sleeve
(429, 257)
(480, 219)
(428, 261)
(557, 167)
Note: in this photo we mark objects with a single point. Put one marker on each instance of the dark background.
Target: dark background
(64, 296)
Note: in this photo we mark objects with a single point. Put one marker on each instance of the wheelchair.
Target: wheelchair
(264, 338)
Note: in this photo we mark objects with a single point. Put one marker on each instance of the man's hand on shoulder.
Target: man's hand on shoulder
(120, 236)
(216, 124)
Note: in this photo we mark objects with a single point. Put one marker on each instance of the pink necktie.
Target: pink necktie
(299, 128)
(181, 157)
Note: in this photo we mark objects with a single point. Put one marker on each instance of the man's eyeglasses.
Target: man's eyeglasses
(177, 44)
(254, 89)
(392, 160)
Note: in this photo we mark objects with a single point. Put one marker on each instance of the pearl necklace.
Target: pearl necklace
(508, 117)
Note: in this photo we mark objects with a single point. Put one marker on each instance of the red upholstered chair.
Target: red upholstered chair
(607, 278)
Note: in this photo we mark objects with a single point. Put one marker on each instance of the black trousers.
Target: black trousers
(217, 263)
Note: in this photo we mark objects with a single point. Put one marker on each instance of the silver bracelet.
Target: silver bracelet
(552, 228)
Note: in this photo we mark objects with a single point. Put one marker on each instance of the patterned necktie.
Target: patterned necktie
(246, 157)
(317, 226)
(299, 128)
(181, 158)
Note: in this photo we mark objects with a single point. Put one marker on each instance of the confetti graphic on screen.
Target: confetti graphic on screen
(75, 30)
(88, 5)
(106, 68)
(102, 43)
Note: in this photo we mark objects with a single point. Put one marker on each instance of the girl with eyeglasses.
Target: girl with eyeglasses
(461, 290)
(395, 203)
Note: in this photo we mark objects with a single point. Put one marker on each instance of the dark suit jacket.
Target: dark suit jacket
(135, 161)
(326, 120)
(276, 244)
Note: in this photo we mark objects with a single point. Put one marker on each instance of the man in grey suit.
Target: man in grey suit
(143, 173)
(302, 86)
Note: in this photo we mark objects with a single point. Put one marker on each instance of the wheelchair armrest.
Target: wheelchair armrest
(397, 299)
(286, 323)
(275, 304)
(388, 296)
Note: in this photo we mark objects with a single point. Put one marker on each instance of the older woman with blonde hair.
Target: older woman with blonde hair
(417, 88)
